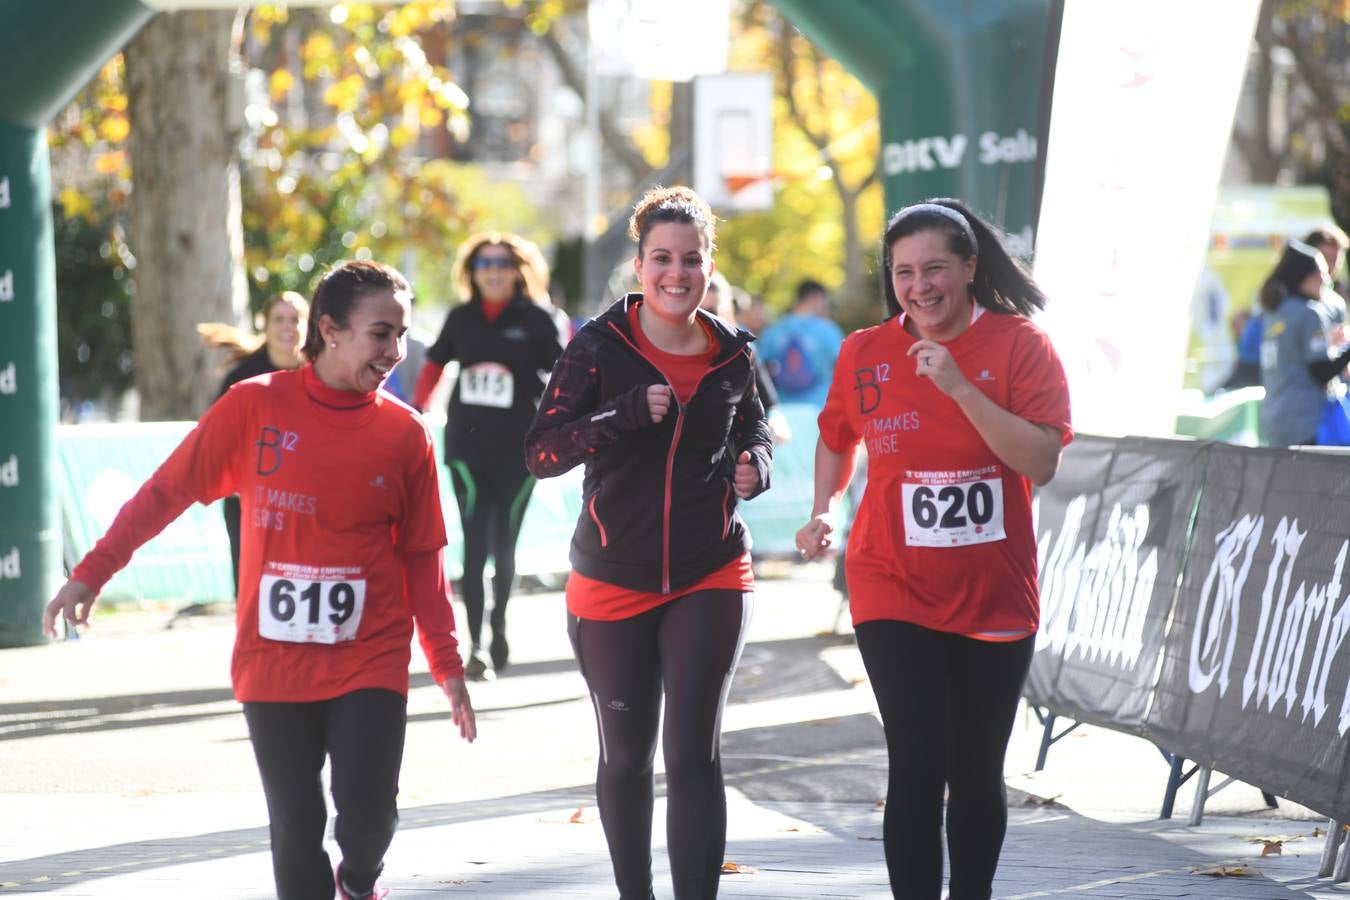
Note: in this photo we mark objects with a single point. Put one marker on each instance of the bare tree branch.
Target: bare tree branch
(614, 138)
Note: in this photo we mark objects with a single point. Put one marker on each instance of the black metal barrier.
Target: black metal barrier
(1196, 594)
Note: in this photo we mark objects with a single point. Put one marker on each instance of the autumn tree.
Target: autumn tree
(348, 120)
(829, 206)
(1297, 124)
(185, 213)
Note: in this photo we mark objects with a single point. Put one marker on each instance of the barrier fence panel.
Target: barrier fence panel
(775, 515)
(1111, 531)
(100, 467)
(1254, 680)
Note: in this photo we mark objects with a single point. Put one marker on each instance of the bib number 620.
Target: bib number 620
(953, 506)
(953, 514)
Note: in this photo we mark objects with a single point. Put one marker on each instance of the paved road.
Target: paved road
(125, 771)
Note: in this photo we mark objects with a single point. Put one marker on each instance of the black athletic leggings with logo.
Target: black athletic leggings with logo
(688, 648)
(947, 703)
(361, 733)
(491, 508)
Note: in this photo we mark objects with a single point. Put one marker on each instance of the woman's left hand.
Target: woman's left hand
(747, 476)
(461, 708)
(934, 362)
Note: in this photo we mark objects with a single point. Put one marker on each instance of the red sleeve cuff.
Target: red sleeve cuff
(429, 592)
(427, 379)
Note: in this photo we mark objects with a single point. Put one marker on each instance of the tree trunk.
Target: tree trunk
(186, 232)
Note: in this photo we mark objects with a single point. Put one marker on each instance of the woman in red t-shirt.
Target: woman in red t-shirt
(343, 542)
(962, 405)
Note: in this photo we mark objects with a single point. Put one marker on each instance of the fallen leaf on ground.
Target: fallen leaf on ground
(732, 868)
(881, 804)
(576, 817)
(1226, 871)
(868, 837)
(1318, 832)
(1036, 800)
(1268, 839)
(1272, 848)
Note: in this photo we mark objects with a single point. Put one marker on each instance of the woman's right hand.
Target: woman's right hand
(73, 603)
(814, 537)
(658, 401)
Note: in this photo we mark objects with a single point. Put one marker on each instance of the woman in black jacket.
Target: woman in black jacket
(657, 398)
(505, 338)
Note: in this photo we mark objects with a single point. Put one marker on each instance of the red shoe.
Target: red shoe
(376, 893)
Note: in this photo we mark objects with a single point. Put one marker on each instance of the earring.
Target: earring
(333, 345)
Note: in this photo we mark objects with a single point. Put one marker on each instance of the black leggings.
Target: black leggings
(689, 647)
(947, 703)
(362, 735)
(491, 508)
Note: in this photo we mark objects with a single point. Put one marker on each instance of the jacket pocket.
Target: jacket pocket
(595, 517)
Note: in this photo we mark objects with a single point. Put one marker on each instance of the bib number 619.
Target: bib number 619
(304, 611)
(282, 600)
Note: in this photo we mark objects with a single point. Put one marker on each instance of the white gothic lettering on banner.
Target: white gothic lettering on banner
(1095, 599)
(1299, 630)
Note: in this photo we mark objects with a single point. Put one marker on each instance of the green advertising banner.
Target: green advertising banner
(960, 88)
(99, 467)
(30, 542)
(47, 52)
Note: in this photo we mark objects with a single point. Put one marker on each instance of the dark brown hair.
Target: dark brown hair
(1001, 283)
(1297, 262)
(672, 204)
(340, 289)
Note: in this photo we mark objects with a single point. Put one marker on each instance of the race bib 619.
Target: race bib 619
(310, 611)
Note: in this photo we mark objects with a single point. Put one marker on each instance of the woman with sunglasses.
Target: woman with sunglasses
(506, 340)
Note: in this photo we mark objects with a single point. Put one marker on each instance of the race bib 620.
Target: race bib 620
(952, 509)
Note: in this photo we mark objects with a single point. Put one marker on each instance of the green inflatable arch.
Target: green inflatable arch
(960, 86)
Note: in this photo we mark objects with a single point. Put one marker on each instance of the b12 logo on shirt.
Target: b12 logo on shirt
(867, 382)
(271, 442)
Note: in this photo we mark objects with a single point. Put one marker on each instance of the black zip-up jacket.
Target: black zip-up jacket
(524, 341)
(659, 500)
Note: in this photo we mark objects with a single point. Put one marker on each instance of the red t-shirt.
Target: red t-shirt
(683, 372)
(337, 490)
(943, 537)
(591, 599)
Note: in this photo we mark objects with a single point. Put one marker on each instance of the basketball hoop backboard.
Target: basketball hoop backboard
(733, 140)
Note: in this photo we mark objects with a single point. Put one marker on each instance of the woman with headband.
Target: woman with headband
(1299, 362)
(963, 406)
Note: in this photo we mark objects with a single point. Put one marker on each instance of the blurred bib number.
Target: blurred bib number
(487, 384)
(304, 611)
(952, 509)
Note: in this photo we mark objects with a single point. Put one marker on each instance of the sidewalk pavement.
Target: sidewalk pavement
(125, 771)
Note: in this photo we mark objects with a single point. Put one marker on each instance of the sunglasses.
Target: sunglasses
(483, 263)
